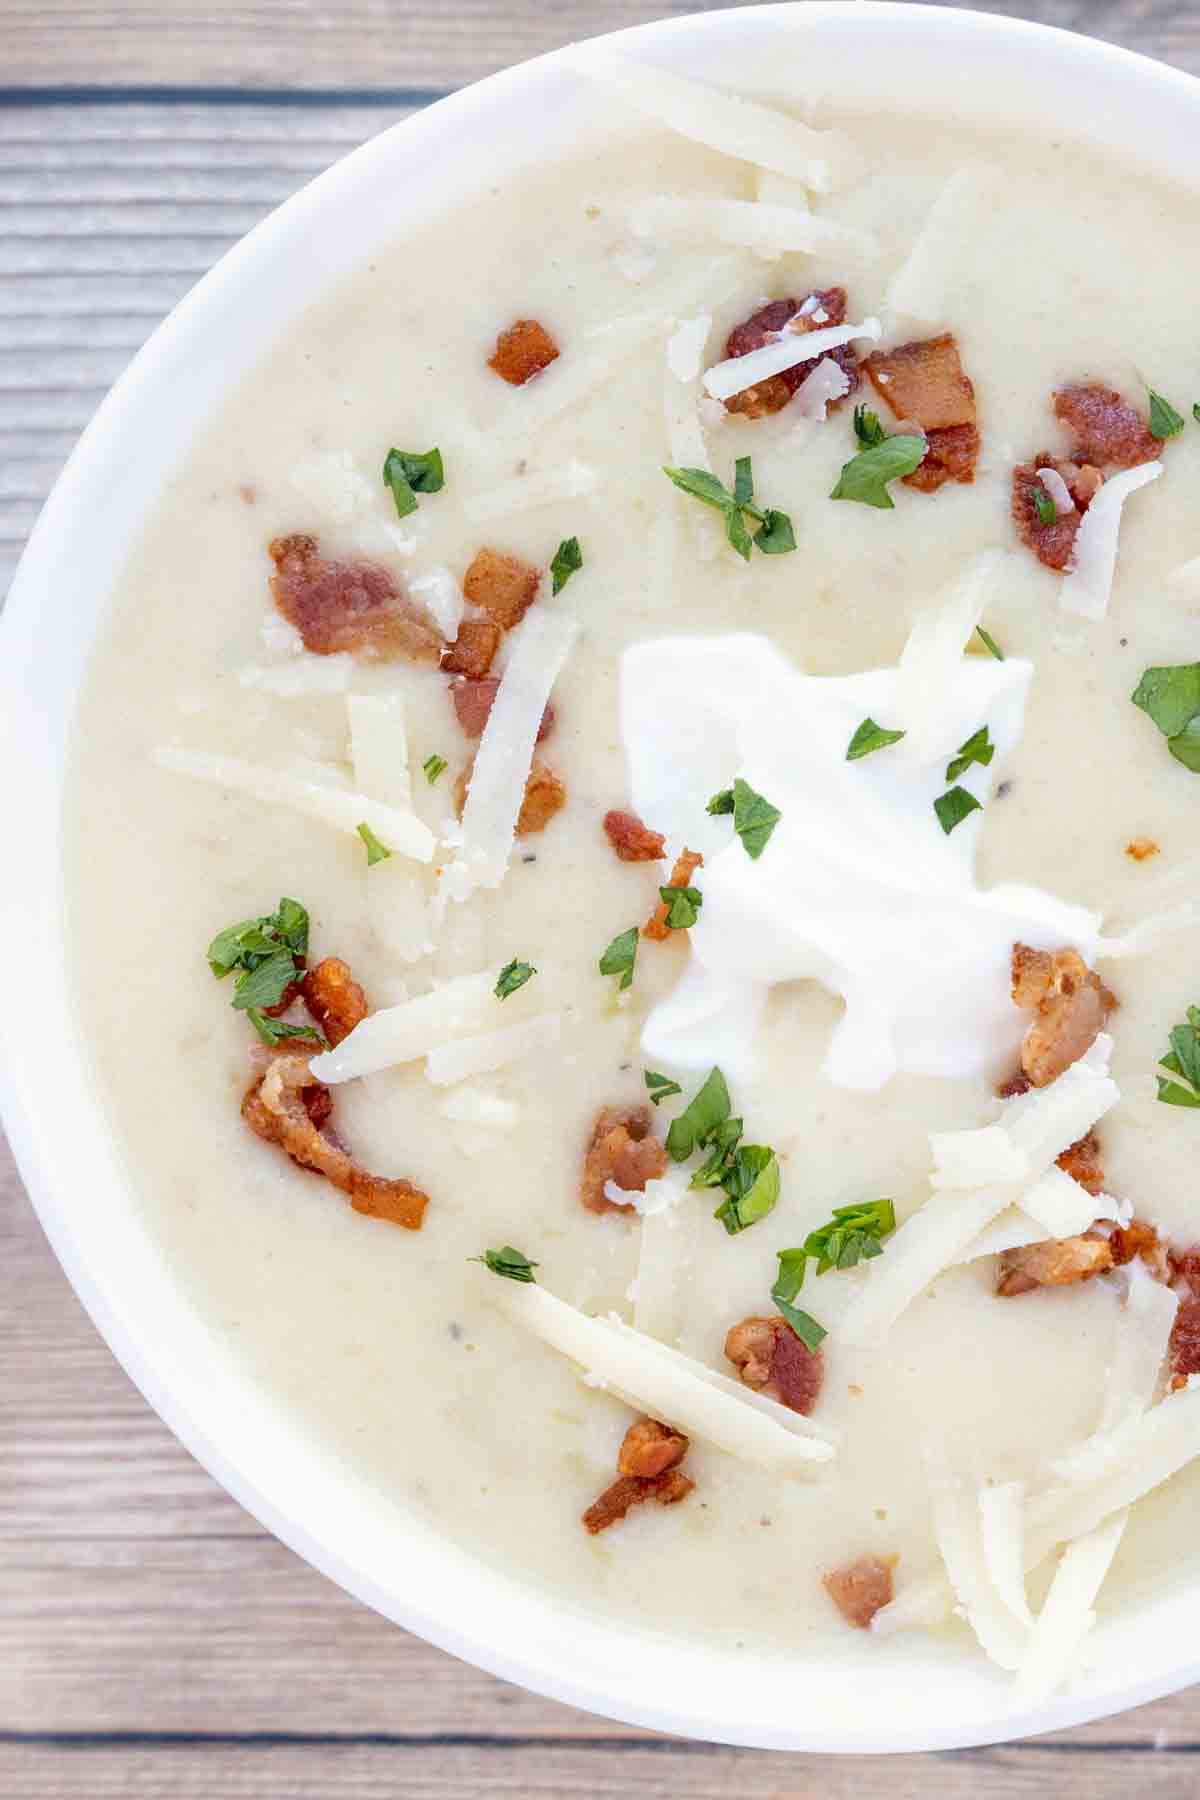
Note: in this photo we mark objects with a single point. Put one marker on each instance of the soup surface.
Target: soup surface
(408, 1362)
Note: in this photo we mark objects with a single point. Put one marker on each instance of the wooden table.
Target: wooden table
(153, 1641)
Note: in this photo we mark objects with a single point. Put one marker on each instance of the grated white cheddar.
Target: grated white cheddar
(1067, 1613)
(819, 389)
(920, 286)
(1086, 588)
(442, 598)
(686, 345)
(932, 654)
(401, 1034)
(1059, 1204)
(493, 1050)
(736, 373)
(1002, 1535)
(975, 1158)
(379, 747)
(957, 1525)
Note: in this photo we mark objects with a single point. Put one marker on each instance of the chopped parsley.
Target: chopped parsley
(512, 976)
(747, 1173)
(867, 428)
(1044, 506)
(1171, 697)
(953, 807)
(376, 852)
(774, 537)
(433, 767)
(683, 906)
(620, 957)
(699, 1118)
(865, 477)
(565, 561)
(1183, 1060)
(751, 1186)
(787, 1285)
(869, 737)
(274, 1031)
(754, 818)
(266, 952)
(1165, 422)
(854, 1234)
(990, 643)
(1196, 412)
(408, 473)
(514, 1265)
(659, 1087)
(978, 748)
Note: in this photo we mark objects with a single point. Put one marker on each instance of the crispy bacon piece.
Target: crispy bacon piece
(473, 650)
(545, 795)
(1082, 1162)
(1139, 1238)
(522, 351)
(1053, 544)
(1184, 1270)
(1183, 1348)
(1107, 431)
(334, 998)
(275, 1108)
(859, 1589)
(354, 606)
(656, 926)
(473, 701)
(763, 326)
(631, 839)
(501, 585)
(624, 1149)
(650, 1448)
(1016, 1084)
(630, 1490)
(770, 1357)
(1054, 1264)
(924, 382)
(1141, 848)
(1071, 1004)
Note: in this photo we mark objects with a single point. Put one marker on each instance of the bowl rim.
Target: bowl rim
(36, 708)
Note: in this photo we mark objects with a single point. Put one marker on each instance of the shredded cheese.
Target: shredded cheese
(1067, 1612)
(685, 347)
(667, 1384)
(401, 1034)
(572, 480)
(379, 747)
(493, 1050)
(957, 1525)
(442, 598)
(1002, 1535)
(919, 288)
(975, 1158)
(932, 656)
(765, 230)
(402, 832)
(819, 389)
(1087, 586)
(736, 373)
(1139, 1353)
(475, 1106)
(1060, 1205)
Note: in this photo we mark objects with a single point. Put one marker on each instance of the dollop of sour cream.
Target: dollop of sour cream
(858, 888)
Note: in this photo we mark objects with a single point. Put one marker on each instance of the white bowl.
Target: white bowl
(920, 1694)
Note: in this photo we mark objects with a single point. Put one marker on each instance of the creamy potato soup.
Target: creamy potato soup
(633, 830)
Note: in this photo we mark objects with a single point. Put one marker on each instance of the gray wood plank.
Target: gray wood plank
(360, 43)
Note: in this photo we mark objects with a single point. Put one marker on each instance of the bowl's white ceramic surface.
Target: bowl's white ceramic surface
(920, 1695)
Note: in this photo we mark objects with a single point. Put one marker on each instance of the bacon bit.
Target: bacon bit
(1016, 1084)
(334, 998)
(629, 1491)
(924, 381)
(649, 1448)
(770, 1357)
(355, 606)
(631, 839)
(1184, 1271)
(1139, 1239)
(763, 326)
(473, 650)
(1072, 1005)
(277, 1110)
(1081, 1161)
(501, 585)
(1183, 1347)
(545, 795)
(859, 1589)
(950, 455)
(473, 700)
(1141, 848)
(522, 352)
(623, 1149)
(1054, 1264)
(1108, 431)
(656, 926)
(1053, 544)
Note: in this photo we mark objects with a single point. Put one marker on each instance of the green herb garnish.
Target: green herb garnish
(754, 818)
(411, 472)
(953, 807)
(512, 1264)
(274, 1031)
(865, 477)
(748, 1173)
(433, 767)
(266, 952)
(774, 536)
(620, 957)
(1044, 506)
(376, 852)
(867, 428)
(1183, 1059)
(751, 1186)
(1196, 412)
(990, 643)
(978, 748)
(787, 1285)
(699, 1118)
(869, 737)
(1171, 697)
(854, 1234)
(512, 976)
(1165, 422)
(659, 1087)
(683, 906)
(565, 561)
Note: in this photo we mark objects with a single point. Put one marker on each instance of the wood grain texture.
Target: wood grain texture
(313, 44)
(153, 1640)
